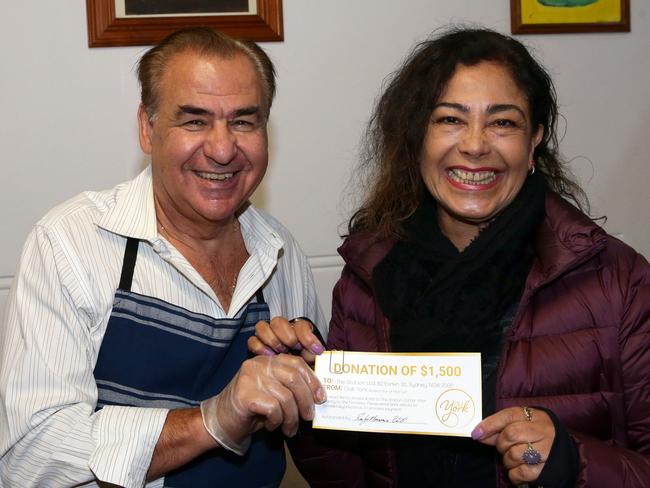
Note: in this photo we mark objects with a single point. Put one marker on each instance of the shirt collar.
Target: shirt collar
(134, 213)
(258, 234)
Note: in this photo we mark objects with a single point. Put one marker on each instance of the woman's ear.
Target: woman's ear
(145, 130)
(536, 139)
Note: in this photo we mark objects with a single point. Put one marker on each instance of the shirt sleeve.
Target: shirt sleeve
(50, 433)
(305, 296)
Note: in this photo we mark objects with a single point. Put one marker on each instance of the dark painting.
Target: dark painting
(176, 7)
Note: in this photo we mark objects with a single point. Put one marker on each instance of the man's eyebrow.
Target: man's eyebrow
(192, 110)
(242, 112)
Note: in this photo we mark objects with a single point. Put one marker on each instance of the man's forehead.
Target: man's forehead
(194, 68)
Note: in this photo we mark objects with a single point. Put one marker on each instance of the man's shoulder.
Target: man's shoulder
(87, 207)
(91, 208)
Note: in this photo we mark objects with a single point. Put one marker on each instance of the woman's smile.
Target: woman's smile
(473, 180)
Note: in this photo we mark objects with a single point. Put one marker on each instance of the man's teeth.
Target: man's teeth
(215, 176)
(472, 177)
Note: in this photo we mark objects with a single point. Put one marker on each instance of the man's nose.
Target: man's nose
(474, 141)
(220, 144)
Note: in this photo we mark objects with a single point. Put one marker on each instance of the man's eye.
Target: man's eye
(242, 124)
(195, 123)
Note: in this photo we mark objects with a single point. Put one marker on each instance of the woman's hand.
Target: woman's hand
(282, 335)
(523, 436)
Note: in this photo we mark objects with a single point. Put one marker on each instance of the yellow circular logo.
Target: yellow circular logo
(455, 408)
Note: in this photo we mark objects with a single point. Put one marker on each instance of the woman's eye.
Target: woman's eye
(504, 123)
(448, 119)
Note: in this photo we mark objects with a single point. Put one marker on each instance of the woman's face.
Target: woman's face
(478, 146)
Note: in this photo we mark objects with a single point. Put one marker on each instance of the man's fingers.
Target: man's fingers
(302, 381)
(266, 411)
(288, 405)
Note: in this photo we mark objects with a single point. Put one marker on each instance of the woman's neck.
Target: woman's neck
(460, 233)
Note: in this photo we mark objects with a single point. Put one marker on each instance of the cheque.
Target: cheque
(414, 393)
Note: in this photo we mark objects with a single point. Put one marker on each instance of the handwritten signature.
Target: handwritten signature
(363, 417)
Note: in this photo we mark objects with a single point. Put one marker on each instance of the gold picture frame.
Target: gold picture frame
(569, 16)
(106, 29)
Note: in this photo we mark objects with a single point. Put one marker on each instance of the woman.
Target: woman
(465, 242)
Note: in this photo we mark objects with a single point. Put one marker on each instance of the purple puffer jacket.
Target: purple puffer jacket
(579, 345)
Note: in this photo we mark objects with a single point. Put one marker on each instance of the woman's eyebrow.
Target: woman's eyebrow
(457, 106)
(491, 110)
(504, 107)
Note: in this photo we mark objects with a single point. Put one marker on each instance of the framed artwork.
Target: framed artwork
(146, 22)
(562, 16)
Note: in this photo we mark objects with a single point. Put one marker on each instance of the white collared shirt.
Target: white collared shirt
(56, 317)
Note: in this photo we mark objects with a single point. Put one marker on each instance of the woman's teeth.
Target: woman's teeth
(215, 176)
(472, 177)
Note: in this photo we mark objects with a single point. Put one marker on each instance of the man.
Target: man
(122, 354)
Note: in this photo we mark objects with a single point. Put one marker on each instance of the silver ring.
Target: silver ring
(528, 413)
(531, 456)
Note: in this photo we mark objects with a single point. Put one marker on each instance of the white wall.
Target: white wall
(68, 112)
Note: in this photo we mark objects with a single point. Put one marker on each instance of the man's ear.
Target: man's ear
(145, 130)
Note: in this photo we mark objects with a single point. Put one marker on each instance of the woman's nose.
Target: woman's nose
(474, 142)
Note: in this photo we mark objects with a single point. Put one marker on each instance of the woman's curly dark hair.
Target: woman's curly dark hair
(395, 133)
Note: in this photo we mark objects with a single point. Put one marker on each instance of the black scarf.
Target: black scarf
(441, 300)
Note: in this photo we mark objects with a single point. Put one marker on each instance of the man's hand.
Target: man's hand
(267, 392)
(282, 335)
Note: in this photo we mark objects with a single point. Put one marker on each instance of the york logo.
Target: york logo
(455, 408)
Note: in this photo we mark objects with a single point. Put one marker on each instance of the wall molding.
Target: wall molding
(325, 261)
(5, 282)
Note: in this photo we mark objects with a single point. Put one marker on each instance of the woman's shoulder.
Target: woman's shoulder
(570, 235)
(365, 249)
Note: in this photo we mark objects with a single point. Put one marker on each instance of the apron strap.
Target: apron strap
(260, 296)
(128, 267)
(128, 264)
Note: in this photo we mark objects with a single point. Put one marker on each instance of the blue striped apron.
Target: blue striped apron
(155, 354)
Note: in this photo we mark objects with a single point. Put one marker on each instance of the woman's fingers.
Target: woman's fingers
(277, 335)
(523, 436)
(282, 335)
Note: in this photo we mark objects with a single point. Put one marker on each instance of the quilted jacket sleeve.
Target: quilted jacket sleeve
(334, 458)
(611, 465)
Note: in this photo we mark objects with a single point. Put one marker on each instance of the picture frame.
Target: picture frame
(106, 29)
(569, 16)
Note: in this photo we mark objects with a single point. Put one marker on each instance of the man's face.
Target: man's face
(208, 141)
